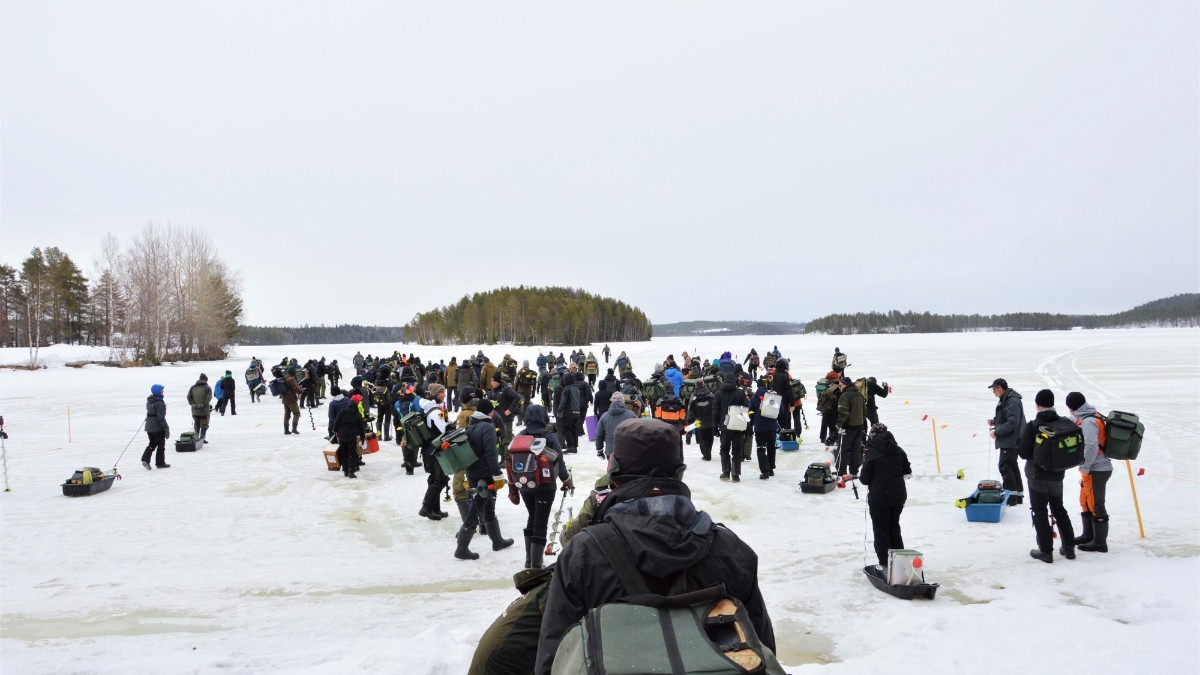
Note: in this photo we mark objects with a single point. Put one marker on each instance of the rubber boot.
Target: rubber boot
(1044, 556)
(1086, 536)
(464, 509)
(295, 426)
(285, 429)
(526, 533)
(464, 536)
(537, 548)
(498, 542)
(1099, 543)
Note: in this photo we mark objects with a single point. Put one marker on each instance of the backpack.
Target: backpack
(670, 409)
(653, 390)
(702, 409)
(770, 359)
(510, 644)
(555, 379)
(989, 492)
(818, 474)
(1058, 445)
(687, 389)
(861, 385)
(416, 428)
(822, 385)
(704, 631)
(754, 360)
(527, 380)
(573, 401)
(828, 401)
(252, 375)
(530, 462)
(453, 451)
(591, 367)
(219, 390)
(278, 386)
(1120, 434)
(798, 389)
(839, 362)
(772, 403)
(737, 418)
(712, 383)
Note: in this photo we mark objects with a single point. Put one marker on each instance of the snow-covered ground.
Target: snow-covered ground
(250, 557)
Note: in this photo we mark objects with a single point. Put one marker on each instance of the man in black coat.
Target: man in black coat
(570, 406)
(484, 477)
(1007, 426)
(674, 545)
(1045, 488)
(731, 441)
(884, 471)
(507, 403)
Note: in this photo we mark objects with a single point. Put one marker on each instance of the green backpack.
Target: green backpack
(705, 631)
(652, 390)
(1122, 438)
(416, 430)
(798, 390)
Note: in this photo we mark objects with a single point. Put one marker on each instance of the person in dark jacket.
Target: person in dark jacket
(483, 476)
(765, 429)
(228, 394)
(1045, 488)
(731, 441)
(1007, 426)
(336, 404)
(157, 429)
(291, 402)
(570, 404)
(606, 426)
(434, 410)
(851, 413)
(673, 545)
(700, 409)
(199, 397)
(781, 383)
(875, 389)
(539, 499)
(603, 399)
(349, 425)
(884, 471)
(507, 403)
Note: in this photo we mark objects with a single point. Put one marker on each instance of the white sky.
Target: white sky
(799, 158)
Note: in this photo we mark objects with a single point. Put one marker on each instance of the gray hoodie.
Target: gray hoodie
(1093, 459)
(606, 429)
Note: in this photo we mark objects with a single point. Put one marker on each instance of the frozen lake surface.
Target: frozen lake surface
(249, 557)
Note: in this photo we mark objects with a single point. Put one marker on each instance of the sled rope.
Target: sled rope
(135, 435)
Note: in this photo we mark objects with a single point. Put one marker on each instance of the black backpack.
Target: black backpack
(1058, 445)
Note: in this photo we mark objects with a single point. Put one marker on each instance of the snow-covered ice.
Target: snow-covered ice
(249, 557)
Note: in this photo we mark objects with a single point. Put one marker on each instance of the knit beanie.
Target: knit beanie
(644, 445)
(1044, 398)
(435, 389)
(1075, 400)
(484, 406)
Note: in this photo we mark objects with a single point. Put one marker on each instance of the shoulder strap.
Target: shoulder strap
(619, 556)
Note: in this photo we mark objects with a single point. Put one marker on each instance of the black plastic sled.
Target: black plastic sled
(76, 487)
(904, 592)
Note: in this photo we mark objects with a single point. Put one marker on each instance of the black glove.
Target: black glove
(3, 434)
(166, 434)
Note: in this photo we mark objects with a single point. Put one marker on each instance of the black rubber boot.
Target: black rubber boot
(464, 536)
(1086, 536)
(498, 541)
(296, 427)
(285, 429)
(537, 548)
(1099, 543)
(1067, 552)
(526, 533)
(464, 509)
(1038, 554)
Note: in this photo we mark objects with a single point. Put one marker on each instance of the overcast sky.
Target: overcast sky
(362, 162)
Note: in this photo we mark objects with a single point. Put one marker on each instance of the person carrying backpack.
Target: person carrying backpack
(765, 430)
(539, 497)
(606, 426)
(348, 427)
(485, 477)
(199, 397)
(228, 394)
(1045, 487)
(677, 548)
(1096, 470)
(434, 411)
(570, 407)
(731, 441)
(700, 409)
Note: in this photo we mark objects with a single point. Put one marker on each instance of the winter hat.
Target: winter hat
(1075, 400)
(525, 363)
(497, 378)
(156, 390)
(203, 377)
(846, 381)
(357, 398)
(617, 397)
(485, 406)
(725, 356)
(658, 368)
(781, 364)
(611, 371)
(644, 445)
(336, 390)
(1044, 398)
(435, 389)
(878, 428)
(469, 394)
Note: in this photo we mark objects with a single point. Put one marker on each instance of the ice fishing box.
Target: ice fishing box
(818, 479)
(453, 452)
(188, 441)
(331, 458)
(788, 441)
(978, 512)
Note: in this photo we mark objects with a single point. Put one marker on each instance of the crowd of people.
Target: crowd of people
(519, 422)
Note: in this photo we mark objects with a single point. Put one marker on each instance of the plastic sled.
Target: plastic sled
(904, 592)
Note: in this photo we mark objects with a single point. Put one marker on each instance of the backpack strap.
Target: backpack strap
(614, 548)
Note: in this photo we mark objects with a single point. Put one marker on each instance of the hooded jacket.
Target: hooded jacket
(761, 423)
(883, 471)
(335, 406)
(1093, 460)
(1009, 420)
(674, 377)
(852, 408)
(481, 433)
(676, 547)
(606, 427)
(199, 397)
(1040, 480)
(536, 421)
(729, 394)
(156, 415)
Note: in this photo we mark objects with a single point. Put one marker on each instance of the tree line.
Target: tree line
(1177, 310)
(530, 316)
(318, 335)
(166, 296)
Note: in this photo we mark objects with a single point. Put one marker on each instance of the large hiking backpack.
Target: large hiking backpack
(701, 407)
(829, 400)
(252, 375)
(772, 404)
(705, 631)
(555, 380)
(1058, 445)
(798, 390)
(671, 409)
(530, 462)
(839, 362)
(527, 380)
(769, 360)
(453, 451)
(862, 386)
(591, 367)
(219, 390)
(712, 383)
(1120, 435)
(278, 386)
(822, 385)
(653, 390)
(687, 389)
